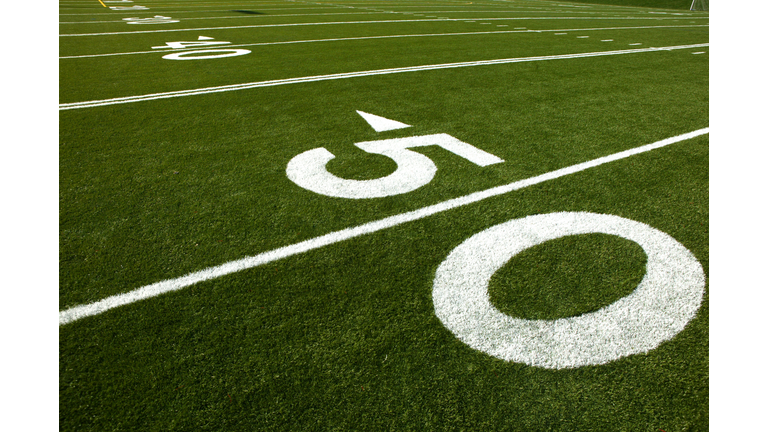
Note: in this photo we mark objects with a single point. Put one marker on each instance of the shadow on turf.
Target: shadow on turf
(248, 12)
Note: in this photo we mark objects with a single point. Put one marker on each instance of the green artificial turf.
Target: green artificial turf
(345, 337)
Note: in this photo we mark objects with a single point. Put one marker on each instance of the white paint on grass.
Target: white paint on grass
(169, 285)
(381, 124)
(414, 170)
(206, 54)
(347, 23)
(663, 303)
(271, 83)
(473, 33)
(128, 8)
(157, 19)
(200, 42)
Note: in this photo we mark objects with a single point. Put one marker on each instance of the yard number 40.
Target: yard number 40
(202, 41)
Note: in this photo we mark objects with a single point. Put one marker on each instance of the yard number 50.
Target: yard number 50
(666, 299)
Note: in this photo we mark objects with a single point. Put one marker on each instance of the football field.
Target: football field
(378, 215)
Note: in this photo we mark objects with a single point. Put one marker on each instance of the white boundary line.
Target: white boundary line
(395, 37)
(271, 83)
(153, 290)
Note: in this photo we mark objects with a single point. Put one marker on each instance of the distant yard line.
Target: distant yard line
(299, 80)
(232, 17)
(388, 37)
(265, 16)
(363, 22)
(153, 290)
(343, 12)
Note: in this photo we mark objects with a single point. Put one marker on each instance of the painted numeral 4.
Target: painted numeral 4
(201, 41)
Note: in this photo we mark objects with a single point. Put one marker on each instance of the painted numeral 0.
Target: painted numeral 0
(206, 54)
(663, 303)
(414, 170)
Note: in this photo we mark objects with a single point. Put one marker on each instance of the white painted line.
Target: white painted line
(271, 83)
(197, 29)
(558, 34)
(581, 37)
(633, 44)
(700, 52)
(607, 40)
(169, 285)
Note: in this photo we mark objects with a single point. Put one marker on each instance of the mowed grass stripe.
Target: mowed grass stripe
(153, 290)
(394, 37)
(363, 22)
(270, 83)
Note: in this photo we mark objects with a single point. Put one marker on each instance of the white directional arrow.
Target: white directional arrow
(381, 124)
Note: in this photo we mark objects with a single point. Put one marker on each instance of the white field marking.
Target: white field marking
(201, 41)
(157, 19)
(660, 307)
(558, 34)
(197, 29)
(271, 83)
(414, 170)
(607, 40)
(581, 37)
(225, 17)
(206, 54)
(256, 16)
(381, 124)
(700, 52)
(128, 8)
(633, 44)
(155, 289)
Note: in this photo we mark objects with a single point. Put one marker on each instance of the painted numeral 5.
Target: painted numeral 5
(414, 170)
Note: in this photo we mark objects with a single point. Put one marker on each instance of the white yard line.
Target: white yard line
(244, 16)
(149, 291)
(305, 14)
(197, 29)
(271, 83)
(392, 37)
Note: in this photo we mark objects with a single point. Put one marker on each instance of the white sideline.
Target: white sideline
(148, 291)
(271, 83)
